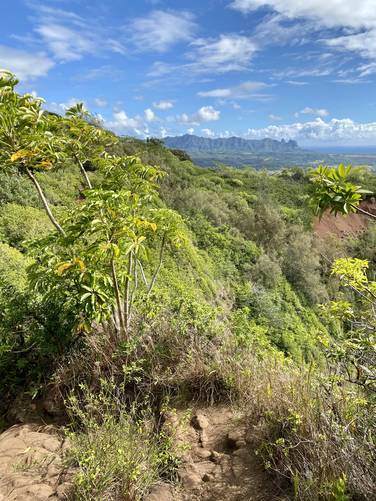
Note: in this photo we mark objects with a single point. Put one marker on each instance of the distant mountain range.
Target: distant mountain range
(191, 143)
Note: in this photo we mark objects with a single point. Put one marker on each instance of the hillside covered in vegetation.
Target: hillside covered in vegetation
(134, 284)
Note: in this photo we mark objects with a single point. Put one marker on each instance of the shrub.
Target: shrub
(116, 450)
(19, 223)
(312, 432)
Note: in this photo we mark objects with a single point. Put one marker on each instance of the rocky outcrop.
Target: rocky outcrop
(190, 142)
(31, 464)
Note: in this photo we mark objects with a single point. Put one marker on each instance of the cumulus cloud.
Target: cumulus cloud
(163, 105)
(204, 114)
(160, 30)
(26, 65)
(121, 122)
(150, 116)
(228, 52)
(335, 131)
(245, 90)
(208, 132)
(357, 18)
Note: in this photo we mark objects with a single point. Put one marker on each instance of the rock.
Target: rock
(204, 438)
(216, 457)
(64, 490)
(207, 477)
(241, 452)
(203, 453)
(30, 464)
(161, 492)
(200, 422)
(233, 437)
(240, 444)
(190, 480)
(34, 492)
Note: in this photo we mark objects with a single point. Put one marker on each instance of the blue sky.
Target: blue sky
(294, 69)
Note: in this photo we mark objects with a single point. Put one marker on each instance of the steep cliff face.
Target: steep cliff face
(231, 144)
(345, 226)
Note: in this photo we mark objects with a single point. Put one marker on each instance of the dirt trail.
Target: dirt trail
(219, 464)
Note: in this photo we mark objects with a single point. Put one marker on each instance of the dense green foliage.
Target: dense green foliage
(122, 261)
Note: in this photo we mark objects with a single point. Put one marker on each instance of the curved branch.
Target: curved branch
(44, 202)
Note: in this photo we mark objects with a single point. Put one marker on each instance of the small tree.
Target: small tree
(94, 269)
(26, 143)
(356, 353)
(86, 141)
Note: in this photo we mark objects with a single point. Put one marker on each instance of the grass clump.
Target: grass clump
(315, 435)
(116, 449)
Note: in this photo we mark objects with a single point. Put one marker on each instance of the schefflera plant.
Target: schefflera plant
(27, 144)
(86, 142)
(111, 237)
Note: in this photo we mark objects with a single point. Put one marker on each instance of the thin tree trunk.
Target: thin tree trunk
(154, 278)
(114, 321)
(142, 273)
(44, 202)
(84, 173)
(127, 291)
(118, 297)
(135, 285)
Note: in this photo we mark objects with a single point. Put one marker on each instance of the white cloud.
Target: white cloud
(367, 69)
(160, 30)
(163, 132)
(190, 130)
(61, 108)
(319, 112)
(228, 52)
(65, 44)
(69, 37)
(274, 118)
(208, 132)
(150, 116)
(335, 131)
(26, 65)
(163, 105)
(244, 90)
(356, 17)
(215, 93)
(297, 82)
(204, 114)
(101, 103)
(330, 13)
(121, 121)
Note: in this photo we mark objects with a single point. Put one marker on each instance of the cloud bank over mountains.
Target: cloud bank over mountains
(290, 69)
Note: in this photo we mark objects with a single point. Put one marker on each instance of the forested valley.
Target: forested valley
(141, 294)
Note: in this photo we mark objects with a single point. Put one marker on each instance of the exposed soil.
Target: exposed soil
(345, 226)
(219, 463)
